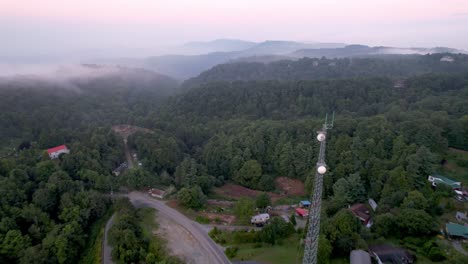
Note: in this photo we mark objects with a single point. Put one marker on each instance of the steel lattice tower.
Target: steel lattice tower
(311, 240)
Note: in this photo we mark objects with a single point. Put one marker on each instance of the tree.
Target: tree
(277, 229)
(349, 190)
(192, 197)
(244, 209)
(263, 200)
(385, 224)
(324, 250)
(13, 243)
(250, 173)
(415, 222)
(415, 200)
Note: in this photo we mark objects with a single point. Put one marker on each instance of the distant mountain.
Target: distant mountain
(186, 66)
(362, 50)
(192, 63)
(218, 45)
(386, 65)
(272, 47)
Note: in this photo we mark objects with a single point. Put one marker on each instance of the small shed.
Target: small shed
(302, 212)
(359, 257)
(157, 193)
(456, 230)
(372, 204)
(304, 204)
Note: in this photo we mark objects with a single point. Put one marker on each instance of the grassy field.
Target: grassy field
(93, 249)
(289, 251)
(457, 165)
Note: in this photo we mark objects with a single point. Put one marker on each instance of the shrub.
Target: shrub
(202, 219)
(231, 252)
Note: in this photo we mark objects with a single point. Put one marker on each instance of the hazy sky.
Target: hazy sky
(59, 26)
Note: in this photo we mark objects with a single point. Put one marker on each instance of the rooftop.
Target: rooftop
(446, 180)
(359, 257)
(457, 230)
(58, 148)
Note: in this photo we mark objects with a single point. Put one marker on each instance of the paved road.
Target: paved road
(212, 251)
(106, 249)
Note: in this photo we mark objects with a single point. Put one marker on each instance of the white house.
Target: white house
(55, 152)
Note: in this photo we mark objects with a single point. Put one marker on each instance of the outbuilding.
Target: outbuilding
(302, 212)
(456, 231)
(304, 204)
(359, 257)
(157, 193)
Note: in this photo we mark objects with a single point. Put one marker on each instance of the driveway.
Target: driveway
(106, 249)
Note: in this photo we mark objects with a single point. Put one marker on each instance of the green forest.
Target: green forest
(248, 130)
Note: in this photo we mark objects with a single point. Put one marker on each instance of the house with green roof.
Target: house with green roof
(456, 230)
(436, 179)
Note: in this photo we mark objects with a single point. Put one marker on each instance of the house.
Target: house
(359, 257)
(436, 179)
(302, 212)
(260, 219)
(372, 204)
(447, 59)
(362, 213)
(304, 204)
(456, 231)
(391, 254)
(56, 151)
(157, 193)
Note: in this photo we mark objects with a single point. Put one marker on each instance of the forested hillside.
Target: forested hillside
(46, 109)
(387, 138)
(50, 210)
(397, 66)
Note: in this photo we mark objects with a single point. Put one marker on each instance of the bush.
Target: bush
(240, 237)
(202, 219)
(231, 252)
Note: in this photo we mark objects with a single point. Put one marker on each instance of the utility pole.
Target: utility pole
(311, 240)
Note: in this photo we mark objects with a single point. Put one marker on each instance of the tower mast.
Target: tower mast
(311, 240)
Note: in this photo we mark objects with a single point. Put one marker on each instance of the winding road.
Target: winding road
(195, 244)
(210, 251)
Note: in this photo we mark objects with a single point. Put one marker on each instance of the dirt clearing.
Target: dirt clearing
(290, 186)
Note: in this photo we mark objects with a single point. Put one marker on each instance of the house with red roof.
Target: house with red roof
(362, 213)
(56, 151)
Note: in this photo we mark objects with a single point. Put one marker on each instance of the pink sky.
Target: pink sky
(216, 11)
(374, 22)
